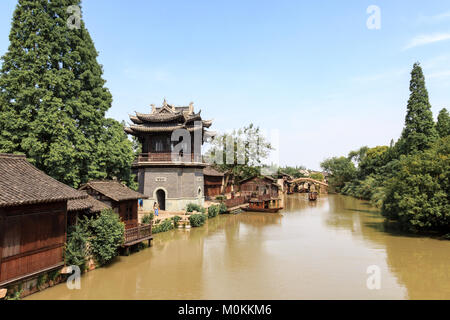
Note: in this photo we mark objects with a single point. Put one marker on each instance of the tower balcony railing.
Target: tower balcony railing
(168, 157)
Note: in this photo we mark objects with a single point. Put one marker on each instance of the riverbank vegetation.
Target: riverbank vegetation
(99, 238)
(408, 180)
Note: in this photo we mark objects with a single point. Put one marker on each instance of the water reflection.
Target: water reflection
(311, 250)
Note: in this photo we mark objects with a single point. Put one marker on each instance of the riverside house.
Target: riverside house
(79, 208)
(33, 220)
(124, 202)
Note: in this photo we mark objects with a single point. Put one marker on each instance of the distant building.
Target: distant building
(171, 178)
(214, 182)
(33, 214)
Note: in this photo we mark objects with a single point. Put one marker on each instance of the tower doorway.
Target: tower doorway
(161, 198)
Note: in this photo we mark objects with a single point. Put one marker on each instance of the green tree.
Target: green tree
(340, 170)
(443, 123)
(52, 96)
(240, 153)
(417, 196)
(419, 131)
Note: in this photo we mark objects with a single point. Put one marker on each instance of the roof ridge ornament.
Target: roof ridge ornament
(191, 108)
(153, 107)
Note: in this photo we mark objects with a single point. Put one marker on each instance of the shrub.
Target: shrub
(197, 220)
(108, 235)
(213, 211)
(191, 207)
(75, 250)
(221, 198)
(148, 218)
(164, 226)
(176, 219)
(222, 208)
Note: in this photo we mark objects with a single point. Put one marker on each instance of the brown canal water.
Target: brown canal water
(310, 250)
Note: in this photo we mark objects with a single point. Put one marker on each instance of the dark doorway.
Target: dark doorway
(161, 198)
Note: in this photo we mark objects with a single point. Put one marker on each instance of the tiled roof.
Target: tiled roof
(210, 171)
(90, 203)
(165, 119)
(21, 183)
(113, 190)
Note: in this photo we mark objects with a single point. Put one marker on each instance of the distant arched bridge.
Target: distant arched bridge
(322, 186)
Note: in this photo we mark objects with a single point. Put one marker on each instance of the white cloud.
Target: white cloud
(425, 39)
(436, 18)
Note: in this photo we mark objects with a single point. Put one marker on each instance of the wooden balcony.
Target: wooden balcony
(168, 157)
(138, 234)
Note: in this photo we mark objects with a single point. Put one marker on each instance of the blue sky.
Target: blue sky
(310, 69)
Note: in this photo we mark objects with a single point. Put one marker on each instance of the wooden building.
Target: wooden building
(118, 197)
(77, 209)
(124, 202)
(263, 194)
(33, 220)
(166, 174)
(214, 183)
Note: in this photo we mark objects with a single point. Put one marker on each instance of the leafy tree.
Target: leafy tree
(53, 100)
(417, 196)
(443, 123)
(108, 235)
(240, 153)
(341, 170)
(317, 176)
(419, 131)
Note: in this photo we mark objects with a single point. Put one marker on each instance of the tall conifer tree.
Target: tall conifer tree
(419, 131)
(443, 123)
(53, 99)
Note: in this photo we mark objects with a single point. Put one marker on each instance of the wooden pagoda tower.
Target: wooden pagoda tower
(171, 177)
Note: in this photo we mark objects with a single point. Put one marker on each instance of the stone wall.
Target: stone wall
(182, 185)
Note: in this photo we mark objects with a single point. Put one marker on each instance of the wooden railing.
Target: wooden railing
(137, 234)
(168, 157)
(230, 203)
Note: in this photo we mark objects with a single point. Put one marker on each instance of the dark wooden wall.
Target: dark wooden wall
(32, 239)
(128, 212)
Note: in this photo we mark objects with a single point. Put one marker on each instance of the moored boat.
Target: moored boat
(264, 205)
(312, 196)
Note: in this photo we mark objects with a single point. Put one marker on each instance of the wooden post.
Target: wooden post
(2, 235)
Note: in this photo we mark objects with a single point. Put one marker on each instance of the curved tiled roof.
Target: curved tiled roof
(159, 117)
(113, 190)
(89, 202)
(21, 183)
(210, 171)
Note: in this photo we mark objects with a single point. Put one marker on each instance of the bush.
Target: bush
(222, 208)
(176, 219)
(191, 207)
(213, 211)
(148, 218)
(164, 226)
(75, 250)
(108, 235)
(221, 198)
(197, 220)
